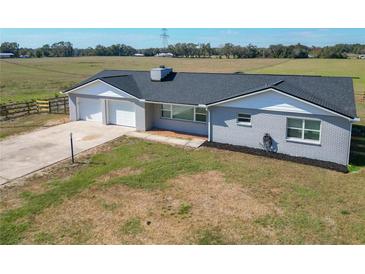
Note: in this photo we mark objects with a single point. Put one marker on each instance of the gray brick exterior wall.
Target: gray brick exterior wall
(335, 133)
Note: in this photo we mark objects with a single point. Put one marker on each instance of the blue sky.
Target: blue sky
(143, 38)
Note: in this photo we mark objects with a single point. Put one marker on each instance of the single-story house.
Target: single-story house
(303, 116)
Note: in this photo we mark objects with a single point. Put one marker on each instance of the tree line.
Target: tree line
(189, 50)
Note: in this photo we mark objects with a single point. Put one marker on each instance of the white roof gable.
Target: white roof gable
(100, 88)
(274, 100)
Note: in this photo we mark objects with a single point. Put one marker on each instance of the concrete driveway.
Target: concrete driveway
(23, 154)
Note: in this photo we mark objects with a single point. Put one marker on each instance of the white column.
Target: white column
(104, 110)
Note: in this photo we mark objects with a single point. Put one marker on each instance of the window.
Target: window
(244, 119)
(200, 114)
(165, 111)
(195, 114)
(309, 130)
(183, 113)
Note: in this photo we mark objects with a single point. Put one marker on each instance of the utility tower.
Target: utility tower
(164, 36)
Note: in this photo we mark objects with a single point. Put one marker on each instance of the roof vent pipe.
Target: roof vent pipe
(158, 74)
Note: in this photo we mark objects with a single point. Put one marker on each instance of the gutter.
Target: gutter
(209, 126)
(157, 102)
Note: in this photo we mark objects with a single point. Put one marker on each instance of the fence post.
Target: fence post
(4, 111)
(64, 104)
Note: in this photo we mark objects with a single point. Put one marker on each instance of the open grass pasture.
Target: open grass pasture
(33, 78)
(40, 78)
(134, 192)
(30, 122)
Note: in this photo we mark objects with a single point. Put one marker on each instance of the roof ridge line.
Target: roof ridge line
(278, 82)
(112, 76)
(239, 73)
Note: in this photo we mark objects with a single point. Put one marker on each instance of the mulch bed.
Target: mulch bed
(275, 155)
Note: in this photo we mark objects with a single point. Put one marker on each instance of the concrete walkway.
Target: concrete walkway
(194, 143)
(26, 153)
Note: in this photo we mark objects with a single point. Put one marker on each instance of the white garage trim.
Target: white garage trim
(89, 109)
(121, 112)
(100, 88)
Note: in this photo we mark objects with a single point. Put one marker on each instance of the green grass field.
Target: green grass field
(136, 192)
(40, 78)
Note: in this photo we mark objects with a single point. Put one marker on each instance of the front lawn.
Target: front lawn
(134, 192)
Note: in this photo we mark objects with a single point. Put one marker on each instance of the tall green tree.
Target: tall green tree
(10, 47)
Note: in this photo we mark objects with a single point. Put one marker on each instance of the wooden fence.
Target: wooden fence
(51, 105)
(360, 97)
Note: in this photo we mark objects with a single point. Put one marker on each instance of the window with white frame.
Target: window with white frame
(183, 112)
(166, 111)
(244, 119)
(188, 113)
(200, 114)
(303, 129)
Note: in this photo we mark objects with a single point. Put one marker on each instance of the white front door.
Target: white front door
(89, 109)
(121, 113)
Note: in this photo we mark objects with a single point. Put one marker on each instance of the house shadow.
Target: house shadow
(357, 152)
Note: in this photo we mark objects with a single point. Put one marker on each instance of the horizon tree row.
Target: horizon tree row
(189, 50)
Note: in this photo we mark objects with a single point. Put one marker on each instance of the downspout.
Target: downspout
(349, 145)
(209, 126)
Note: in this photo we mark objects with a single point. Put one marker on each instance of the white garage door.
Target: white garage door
(90, 109)
(122, 113)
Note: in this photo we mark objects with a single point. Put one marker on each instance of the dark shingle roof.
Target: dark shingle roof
(333, 93)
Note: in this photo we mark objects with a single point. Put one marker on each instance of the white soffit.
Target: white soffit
(273, 100)
(100, 88)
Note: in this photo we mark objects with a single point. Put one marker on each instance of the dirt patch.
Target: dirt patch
(12, 196)
(170, 216)
(90, 207)
(127, 171)
(55, 122)
(174, 134)
(90, 137)
(145, 158)
(211, 195)
(9, 199)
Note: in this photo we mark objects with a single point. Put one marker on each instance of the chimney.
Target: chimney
(158, 74)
